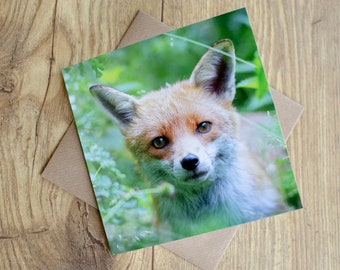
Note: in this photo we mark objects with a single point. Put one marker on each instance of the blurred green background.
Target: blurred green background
(124, 199)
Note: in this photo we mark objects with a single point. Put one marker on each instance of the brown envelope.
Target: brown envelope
(67, 167)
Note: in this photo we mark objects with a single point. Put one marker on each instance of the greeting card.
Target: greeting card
(180, 134)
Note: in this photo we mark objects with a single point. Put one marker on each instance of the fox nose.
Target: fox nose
(190, 162)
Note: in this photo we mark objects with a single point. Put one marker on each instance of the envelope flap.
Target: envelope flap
(143, 27)
(67, 168)
(288, 112)
(204, 249)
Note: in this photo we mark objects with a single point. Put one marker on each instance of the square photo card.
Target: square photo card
(180, 134)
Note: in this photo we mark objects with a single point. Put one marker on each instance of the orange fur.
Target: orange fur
(176, 105)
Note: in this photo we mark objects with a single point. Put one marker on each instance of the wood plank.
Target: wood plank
(179, 13)
(41, 225)
(302, 47)
(25, 70)
(298, 42)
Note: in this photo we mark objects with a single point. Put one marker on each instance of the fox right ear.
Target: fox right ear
(215, 72)
(120, 105)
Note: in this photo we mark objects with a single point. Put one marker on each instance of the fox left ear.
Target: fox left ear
(215, 72)
(121, 106)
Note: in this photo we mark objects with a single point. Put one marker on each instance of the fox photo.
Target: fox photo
(180, 134)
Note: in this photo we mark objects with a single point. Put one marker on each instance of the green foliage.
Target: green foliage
(125, 200)
(288, 184)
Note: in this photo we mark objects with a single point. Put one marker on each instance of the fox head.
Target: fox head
(183, 133)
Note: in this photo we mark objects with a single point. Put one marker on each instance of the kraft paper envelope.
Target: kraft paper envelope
(67, 167)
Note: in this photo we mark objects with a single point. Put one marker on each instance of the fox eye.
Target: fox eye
(160, 142)
(204, 127)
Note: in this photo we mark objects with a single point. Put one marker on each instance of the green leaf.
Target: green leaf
(263, 87)
(244, 68)
(111, 76)
(251, 82)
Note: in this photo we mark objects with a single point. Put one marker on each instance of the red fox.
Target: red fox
(187, 134)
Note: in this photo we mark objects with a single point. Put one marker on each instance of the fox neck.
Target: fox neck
(221, 190)
(194, 211)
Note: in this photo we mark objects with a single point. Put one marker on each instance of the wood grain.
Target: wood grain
(304, 51)
(43, 227)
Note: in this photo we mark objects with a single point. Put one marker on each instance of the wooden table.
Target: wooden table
(44, 227)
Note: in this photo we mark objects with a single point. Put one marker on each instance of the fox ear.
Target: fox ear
(120, 105)
(215, 72)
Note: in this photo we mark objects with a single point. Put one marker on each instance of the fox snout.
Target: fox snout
(195, 168)
(193, 165)
(190, 162)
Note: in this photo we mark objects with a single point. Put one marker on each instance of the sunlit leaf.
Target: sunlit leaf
(251, 82)
(111, 76)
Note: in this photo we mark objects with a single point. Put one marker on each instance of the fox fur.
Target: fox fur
(187, 134)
